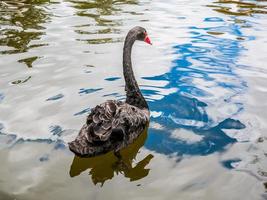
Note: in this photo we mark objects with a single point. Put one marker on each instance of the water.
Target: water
(204, 78)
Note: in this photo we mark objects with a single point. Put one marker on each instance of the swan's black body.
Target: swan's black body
(115, 124)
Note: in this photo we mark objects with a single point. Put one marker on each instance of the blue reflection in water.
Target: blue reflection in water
(88, 90)
(56, 97)
(203, 68)
(112, 78)
(230, 163)
(1, 97)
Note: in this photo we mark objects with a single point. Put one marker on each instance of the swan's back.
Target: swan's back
(110, 126)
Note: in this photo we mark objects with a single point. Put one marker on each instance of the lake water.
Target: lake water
(204, 77)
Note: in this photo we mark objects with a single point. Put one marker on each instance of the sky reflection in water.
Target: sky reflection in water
(212, 60)
(191, 121)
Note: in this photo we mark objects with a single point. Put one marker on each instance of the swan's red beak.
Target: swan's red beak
(147, 40)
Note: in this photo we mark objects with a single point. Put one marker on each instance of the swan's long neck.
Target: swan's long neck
(133, 93)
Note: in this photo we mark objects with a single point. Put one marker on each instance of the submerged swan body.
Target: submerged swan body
(113, 124)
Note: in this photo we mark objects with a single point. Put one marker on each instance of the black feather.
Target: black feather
(108, 125)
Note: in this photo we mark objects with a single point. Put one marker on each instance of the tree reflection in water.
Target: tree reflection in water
(239, 8)
(21, 24)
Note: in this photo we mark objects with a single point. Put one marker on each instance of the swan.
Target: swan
(113, 124)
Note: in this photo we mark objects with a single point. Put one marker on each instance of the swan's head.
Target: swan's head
(141, 34)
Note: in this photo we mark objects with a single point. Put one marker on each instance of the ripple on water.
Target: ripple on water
(20, 81)
(192, 80)
(112, 78)
(204, 75)
(21, 23)
(88, 90)
(239, 8)
(2, 96)
(56, 97)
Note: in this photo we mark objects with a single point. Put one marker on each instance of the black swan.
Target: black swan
(114, 124)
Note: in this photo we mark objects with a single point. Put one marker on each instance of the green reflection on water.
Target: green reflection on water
(239, 8)
(29, 61)
(21, 81)
(100, 23)
(103, 168)
(21, 22)
(215, 33)
(101, 40)
(103, 7)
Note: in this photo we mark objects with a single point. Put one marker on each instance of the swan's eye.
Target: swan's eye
(144, 34)
(141, 35)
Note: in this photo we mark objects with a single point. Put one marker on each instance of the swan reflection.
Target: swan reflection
(103, 168)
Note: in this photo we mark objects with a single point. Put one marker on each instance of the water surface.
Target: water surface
(204, 79)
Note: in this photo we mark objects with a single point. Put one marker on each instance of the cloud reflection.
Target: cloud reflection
(203, 74)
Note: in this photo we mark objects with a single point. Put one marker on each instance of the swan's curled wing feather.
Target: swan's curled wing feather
(109, 126)
(113, 117)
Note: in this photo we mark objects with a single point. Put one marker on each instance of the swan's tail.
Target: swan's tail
(80, 148)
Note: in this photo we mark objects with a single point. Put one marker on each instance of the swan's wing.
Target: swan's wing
(114, 117)
(112, 120)
(99, 121)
